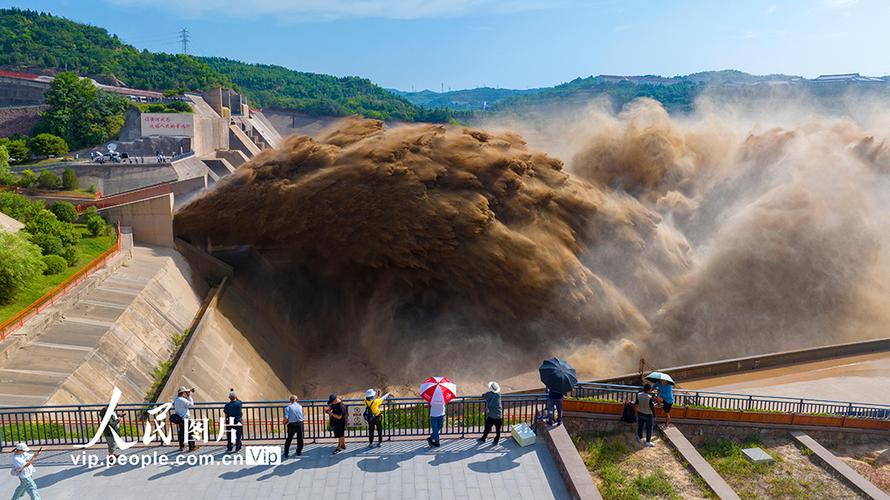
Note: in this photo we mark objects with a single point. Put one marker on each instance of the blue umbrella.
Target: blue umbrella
(558, 375)
(654, 376)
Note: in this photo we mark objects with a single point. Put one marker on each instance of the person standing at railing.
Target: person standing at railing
(111, 429)
(374, 416)
(337, 413)
(181, 411)
(666, 398)
(554, 405)
(293, 419)
(22, 467)
(645, 406)
(437, 421)
(494, 412)
(234, 412)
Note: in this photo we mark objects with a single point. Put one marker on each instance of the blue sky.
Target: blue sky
(417, 44)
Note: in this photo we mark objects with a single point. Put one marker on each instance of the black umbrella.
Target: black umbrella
(558, 375)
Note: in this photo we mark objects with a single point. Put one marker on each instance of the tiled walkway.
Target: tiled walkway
(460, 469)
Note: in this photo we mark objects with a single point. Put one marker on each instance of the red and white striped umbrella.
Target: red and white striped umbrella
(438, 390)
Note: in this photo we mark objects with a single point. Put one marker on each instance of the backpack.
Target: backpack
(629, 415)
(368, 416)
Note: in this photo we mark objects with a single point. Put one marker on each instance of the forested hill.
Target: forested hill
(32, 40)
(276, 86)
(39, 42)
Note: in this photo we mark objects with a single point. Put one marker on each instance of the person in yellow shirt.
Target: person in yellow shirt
(374, 416)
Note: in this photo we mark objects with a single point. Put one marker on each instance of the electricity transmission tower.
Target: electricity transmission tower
(184, 39)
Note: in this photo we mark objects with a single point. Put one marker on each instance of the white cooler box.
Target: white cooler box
(523, 434)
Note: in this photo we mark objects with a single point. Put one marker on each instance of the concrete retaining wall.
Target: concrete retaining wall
(235, 157)
(240, 141)
(151, 220)
(287, 122)
(218, 358)
(760, 362)
(139, 340)
(17, 92)
(19, 120)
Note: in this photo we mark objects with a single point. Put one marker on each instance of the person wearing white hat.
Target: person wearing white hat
(21, 467)
(494, 412)
(374, 416)
(181, 406)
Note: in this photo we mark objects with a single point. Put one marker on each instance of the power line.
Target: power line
(184, 39)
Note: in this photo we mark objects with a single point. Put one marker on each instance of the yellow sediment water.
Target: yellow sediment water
(863, 378)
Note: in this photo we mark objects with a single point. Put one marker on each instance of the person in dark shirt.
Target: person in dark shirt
(337, 413)
(233, 413)
(494, 412)
(554, 405)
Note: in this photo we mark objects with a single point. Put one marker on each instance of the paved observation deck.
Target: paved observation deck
(459, 469)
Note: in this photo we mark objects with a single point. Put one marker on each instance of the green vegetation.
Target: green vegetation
(30, 39)
(677, 97)
(69, 180)
(604, 454)
(17, 148)
(64, 211)
(180, 338)
(85, 249)
(726, 456)
(46, 145)
(787, 478)
(80, 113)
(161, 107)
(48, 180)
(95, 225)
(464, 100)
(275, 86)
(20, 264)
(160, 374)
(32, 431)
(53, 264)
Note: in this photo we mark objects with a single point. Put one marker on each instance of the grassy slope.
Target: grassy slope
(624, 470)
(90, 248)
(793, 475)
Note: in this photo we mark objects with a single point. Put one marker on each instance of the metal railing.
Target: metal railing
(262, 421)
(744, 402)
(127, 197)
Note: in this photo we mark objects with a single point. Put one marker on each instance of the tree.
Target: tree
(180, 106)
(48, 145)
(4, 160)
(54, 264)
(6, 178)
(18, 207)
(53, 236)
(17, 148)
(20, 262)
(28, 179)
(48, 180)
(64, 211)
(95, 225)
(69, 180)
(80, 113)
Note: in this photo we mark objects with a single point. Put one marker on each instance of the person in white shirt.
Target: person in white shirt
(181, 406)
(21, 467)
(437, 421)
